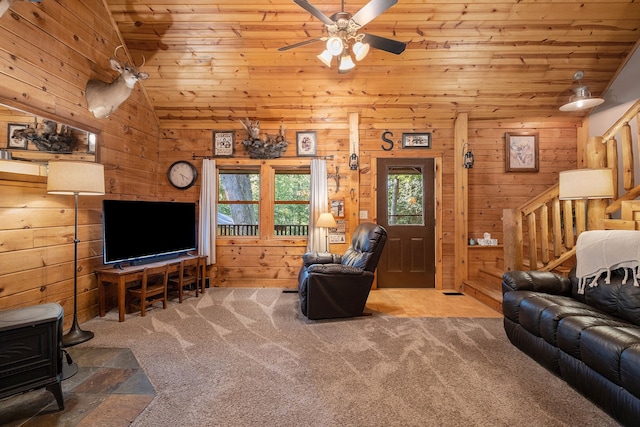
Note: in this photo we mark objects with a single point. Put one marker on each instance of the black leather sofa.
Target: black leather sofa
(590, 340)
(334, 286)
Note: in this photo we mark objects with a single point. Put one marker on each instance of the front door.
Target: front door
(406, 208)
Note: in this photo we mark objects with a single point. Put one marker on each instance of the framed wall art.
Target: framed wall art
(416, 140)
(16, 141)
(521, 152)
(223, 143)
(337, 208)
(306, 143)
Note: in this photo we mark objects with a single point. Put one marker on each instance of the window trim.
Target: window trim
(266, 202)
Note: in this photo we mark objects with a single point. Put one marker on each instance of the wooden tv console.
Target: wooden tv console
(126, 275)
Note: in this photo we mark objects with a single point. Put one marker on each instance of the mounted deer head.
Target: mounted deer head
(104, 98)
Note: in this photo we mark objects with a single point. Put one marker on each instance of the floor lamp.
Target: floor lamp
(586, 184)
(75, 178)
(327, 221)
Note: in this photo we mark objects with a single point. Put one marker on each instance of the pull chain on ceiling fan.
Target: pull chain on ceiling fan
(343, 41)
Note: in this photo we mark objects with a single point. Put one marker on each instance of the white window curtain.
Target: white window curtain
(208, 224)
(318, 204)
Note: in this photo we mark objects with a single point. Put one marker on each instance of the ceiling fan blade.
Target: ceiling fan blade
(314, 11)
(372, 10)
(384, 43)
(293, 46)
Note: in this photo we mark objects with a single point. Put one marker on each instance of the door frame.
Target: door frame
(437, 203)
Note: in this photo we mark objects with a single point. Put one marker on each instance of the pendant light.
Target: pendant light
(582, 98)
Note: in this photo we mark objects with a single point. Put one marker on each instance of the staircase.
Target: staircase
(545, 229)
(487, 286)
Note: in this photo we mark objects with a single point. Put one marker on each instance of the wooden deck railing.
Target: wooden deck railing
(545, 228)
(252, 230)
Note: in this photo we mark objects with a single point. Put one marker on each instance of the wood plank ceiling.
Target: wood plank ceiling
(215, 61)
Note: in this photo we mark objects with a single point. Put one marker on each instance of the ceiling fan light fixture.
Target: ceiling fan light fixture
(346, 64)
(326, 57)
(582, 98)
(360, 50)
(335, 45)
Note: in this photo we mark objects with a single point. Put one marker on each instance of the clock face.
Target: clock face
(182, 174)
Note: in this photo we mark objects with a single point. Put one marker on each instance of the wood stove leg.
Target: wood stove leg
(56, 390)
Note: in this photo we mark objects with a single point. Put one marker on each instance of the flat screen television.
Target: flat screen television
(141, 231)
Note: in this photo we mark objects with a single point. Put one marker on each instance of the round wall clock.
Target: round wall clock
(182, 174)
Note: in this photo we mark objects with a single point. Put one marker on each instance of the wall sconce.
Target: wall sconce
(353, 162)
(467, 156)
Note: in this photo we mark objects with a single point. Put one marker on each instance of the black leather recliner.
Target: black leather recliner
(334, 286)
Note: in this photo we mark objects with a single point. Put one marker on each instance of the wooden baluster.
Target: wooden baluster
(544, 233)
(612, 163)
(568, 224)
(557, 228)
(533, 242)
(627, 157)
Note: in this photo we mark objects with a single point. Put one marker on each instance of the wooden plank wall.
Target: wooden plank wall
(241, 263)
(491, 189)
(250, 262)
(48, 52)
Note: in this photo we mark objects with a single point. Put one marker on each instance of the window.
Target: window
(405, 203)
(291, 203)
(238, 202)
(263, 201)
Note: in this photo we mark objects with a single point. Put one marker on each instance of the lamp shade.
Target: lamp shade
(346, 64)
(326, 220)
(73, 177)
(360, 50)
(326, 58)
(586, 184)
(335, 45)
(581, 100)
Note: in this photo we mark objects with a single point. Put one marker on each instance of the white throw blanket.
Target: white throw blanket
(600, 251)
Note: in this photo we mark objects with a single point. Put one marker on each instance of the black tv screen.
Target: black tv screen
(142, 230)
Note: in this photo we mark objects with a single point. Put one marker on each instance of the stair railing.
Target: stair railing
(546, 228)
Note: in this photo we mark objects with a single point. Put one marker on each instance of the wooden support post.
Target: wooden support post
(461, 202)
(627, 157)
(512, 231)
(354, 174)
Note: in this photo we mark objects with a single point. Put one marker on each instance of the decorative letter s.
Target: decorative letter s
(387, 140)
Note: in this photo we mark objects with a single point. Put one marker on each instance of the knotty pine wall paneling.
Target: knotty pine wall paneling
(491, 189)
(250, 262)
(49, 51)
(242, 262)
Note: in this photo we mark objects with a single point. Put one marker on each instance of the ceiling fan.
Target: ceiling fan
(343, 40)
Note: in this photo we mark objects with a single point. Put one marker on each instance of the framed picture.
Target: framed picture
(337, 234)
(306, 143)
(521, 152)
(223, 143)
(416, 140)
(337, 208)
(17, 141)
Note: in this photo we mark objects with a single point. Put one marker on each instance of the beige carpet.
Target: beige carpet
(247, 357)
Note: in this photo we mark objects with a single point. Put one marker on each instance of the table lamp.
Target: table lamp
(327, 221)
(75, 178)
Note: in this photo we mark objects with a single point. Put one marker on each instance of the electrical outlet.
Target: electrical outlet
(364, 214)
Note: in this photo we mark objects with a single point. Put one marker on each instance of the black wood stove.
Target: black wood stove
(31, 354)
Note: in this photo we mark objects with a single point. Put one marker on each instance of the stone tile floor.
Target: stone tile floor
(109, 389)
